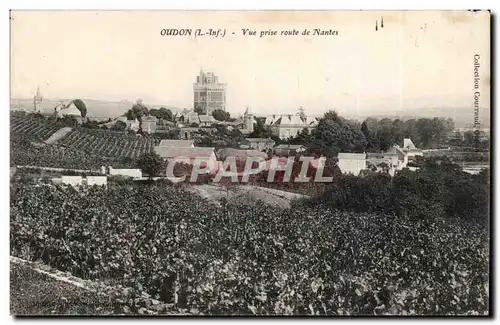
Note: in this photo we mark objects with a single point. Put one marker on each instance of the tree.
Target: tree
(304, 137)
(137, 111)
(332, 115)
(162, 113)
(119, 126)
(151, 164)
(302, 113)
(198, 110)
(334, 134)
(221, 115)
(260, 130)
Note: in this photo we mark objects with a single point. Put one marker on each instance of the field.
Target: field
(252, 258)
(34, 127)
(80, 148)
(112, 144)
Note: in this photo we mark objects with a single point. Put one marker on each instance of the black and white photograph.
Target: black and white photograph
(183, 163)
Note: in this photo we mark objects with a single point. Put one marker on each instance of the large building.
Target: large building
(287, 126)
(209, 93)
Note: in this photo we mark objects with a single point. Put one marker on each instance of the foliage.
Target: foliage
(137, 111)
(80, 104)
(119, 126)
(221, 115)
(151, 164)
(162, 113)
(434, 190)
(260, 130)
(253, 258)
(335, 134)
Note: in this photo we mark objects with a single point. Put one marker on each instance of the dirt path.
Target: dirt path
(269, 196)
(58, 135)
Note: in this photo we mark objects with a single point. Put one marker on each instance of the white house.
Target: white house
(289, 125)
(351, 163)
(393, 159)
(97, 180)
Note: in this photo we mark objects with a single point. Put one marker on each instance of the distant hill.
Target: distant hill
(463, 116)
(96, 108)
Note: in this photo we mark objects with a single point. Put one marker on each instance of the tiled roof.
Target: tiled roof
(172, 152)
(176, 143)
(206, 118)
(352, 156)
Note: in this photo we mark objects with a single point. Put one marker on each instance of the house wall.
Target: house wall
(149, 127)
(286, 131)
(97, 180)
(126, 172)
(72, 180)
(352, 166)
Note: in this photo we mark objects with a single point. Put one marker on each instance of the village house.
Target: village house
(206, 120)
(392, 160)
(351, 163)
(411, 150)
(186, 117)
(149, 124)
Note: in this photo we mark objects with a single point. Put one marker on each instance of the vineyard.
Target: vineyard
(251, 258)
(106, 143)
(32, 126)
(80, 148)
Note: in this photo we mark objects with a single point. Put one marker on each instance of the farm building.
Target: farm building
(351, 163)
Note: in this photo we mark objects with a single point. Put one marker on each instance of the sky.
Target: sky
(418, 60)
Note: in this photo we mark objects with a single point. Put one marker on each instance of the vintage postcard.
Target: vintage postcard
(222, 163)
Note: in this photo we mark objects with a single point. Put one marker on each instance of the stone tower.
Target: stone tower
(37, 100)
(209, 93)
(248, 120)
